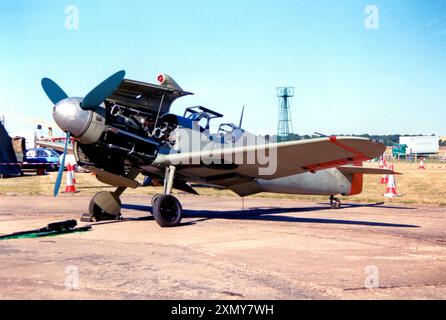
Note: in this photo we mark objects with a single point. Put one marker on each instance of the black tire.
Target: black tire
(167, 211)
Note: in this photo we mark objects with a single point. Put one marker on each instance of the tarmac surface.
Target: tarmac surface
(273, 249)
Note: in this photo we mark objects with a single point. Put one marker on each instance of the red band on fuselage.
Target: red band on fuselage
(356, 152)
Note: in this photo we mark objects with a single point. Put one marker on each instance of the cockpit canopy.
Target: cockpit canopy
(201, 115)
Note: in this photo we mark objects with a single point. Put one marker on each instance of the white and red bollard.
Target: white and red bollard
(421, 165)
(391, 186)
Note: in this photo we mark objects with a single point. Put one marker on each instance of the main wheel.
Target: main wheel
(167, 211)
(104, 206)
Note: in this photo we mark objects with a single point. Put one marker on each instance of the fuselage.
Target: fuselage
(324, 182)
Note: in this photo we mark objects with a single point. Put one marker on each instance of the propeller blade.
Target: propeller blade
(105, 89)
(62, 167)
(53, 91)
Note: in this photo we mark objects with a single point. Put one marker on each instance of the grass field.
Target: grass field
(426, 187)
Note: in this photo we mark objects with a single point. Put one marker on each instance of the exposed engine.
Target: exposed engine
(128, 128)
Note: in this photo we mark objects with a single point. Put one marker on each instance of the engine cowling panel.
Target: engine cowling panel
(120, 136)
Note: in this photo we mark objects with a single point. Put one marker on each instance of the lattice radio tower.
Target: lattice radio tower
(285, 125)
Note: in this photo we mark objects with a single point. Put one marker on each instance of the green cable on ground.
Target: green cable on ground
(46, 234)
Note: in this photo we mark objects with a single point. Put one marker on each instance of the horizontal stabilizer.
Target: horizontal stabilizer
(365, 170)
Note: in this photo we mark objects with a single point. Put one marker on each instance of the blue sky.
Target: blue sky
(231, 53)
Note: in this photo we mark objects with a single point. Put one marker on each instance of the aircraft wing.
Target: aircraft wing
(285, 158)
(55, 145)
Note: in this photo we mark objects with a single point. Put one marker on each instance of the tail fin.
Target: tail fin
(356, 183)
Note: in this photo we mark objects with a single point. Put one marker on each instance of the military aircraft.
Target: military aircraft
(123, 128)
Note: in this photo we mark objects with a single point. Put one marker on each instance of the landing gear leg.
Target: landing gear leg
(106, 205)
(167, 209)
(335, 202)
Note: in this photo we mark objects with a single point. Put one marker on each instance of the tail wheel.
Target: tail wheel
(336, 203)
(167, 211)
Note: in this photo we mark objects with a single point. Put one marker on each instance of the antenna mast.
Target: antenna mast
(285, 125)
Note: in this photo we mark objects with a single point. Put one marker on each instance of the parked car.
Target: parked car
(44, 155)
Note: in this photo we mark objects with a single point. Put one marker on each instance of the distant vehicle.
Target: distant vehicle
(419, 145)
(44, 155)
(399, 151)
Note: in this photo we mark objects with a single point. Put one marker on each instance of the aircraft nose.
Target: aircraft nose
(69, 116)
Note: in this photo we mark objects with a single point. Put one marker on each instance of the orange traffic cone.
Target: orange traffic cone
(69, 186)
(391, 188)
